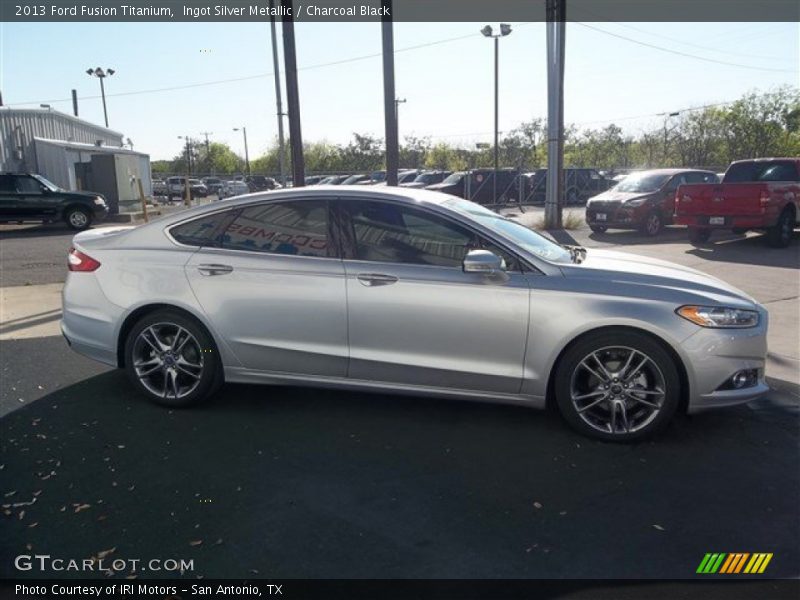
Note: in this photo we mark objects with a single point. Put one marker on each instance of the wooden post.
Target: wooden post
(187, 193)
(143, 199)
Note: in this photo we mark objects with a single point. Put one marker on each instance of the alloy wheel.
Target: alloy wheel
(168, 360)
(78, 219)
(653, 224)
(617, 390)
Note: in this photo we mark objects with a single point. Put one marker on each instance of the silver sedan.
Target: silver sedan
(408, 291)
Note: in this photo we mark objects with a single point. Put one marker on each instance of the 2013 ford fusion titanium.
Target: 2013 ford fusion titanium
(408, 291)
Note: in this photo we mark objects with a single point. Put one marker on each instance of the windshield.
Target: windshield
(525, 238)
(48, 184)
(454, 178)
(642, 182)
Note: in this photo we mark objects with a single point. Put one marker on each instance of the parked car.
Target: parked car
(260, 183)
(356, 179)
(644, 200)
(176, 188)
(413, 292)
(213, 184)
(761, 194)
(579, 185)
(314, 179)
(233, 188)
(334, 180)
(159, 187)
(477, 185)
(30, 197)
(427, 178)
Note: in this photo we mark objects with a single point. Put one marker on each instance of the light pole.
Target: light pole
(397, 103)
(505, 29)
(101, 75)
(246, 154)
(277, 72)
(667, 117)
(187, 188)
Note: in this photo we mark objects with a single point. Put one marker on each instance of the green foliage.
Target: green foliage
(756, 125)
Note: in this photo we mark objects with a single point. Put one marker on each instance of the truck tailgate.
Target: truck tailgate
(721, 199)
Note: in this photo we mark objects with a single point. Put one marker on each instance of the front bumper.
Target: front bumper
(616, 215)
(714, 355)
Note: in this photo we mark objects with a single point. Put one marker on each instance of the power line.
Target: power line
(258, 76)
(679, 53)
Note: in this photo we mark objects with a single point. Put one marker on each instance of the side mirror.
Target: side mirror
(483, 262)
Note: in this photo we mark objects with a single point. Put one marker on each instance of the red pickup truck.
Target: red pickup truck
(762, 194)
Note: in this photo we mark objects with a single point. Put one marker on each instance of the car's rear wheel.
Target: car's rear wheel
(780, 235)
(699, 235)
(172, 359)
(78, 218)
(618, 387)
(598, 228)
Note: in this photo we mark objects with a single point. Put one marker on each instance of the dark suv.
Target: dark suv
(579, 185)
(29, 197)
(478, 185)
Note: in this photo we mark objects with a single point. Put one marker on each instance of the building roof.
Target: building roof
(89, 147)
(10, 110)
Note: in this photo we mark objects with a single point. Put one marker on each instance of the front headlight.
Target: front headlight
(100, 201)
(719, 316)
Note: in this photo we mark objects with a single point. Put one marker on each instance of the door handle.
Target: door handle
(375, 279)
(215, 269)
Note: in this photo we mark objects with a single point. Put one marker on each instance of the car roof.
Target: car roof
(671, 171)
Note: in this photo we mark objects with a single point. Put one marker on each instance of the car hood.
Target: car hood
(440, 186)
(80, 194)
(612, 196)
(662, 278)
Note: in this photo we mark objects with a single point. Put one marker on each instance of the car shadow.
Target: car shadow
(752, 250)
(298, 482)
(40, 230)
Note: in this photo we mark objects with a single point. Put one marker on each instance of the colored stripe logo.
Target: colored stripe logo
(734, 563)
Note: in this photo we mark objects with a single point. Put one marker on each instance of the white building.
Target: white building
(74, 154)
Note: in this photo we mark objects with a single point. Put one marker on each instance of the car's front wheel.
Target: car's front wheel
(78, 218)
(172, 359)
(617, 386)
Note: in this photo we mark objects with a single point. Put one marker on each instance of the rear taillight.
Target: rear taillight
(78, 261)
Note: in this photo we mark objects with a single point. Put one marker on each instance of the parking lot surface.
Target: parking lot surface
(295, 482)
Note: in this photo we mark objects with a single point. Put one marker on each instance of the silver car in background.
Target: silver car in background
(414, 292)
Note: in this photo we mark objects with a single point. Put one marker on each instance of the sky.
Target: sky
(612, 74)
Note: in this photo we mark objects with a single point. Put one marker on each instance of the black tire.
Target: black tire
(699, 235)
(598, 228)
(202, 349)
(780, 236)
(78, 218)
(661, 364)
(653, 224)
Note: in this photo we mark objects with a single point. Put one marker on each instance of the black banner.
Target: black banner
(401, 10)
(743, 588)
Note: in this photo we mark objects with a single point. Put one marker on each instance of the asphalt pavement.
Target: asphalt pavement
(295, 482)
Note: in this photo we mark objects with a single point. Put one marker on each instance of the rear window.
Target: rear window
(750, 172)
(200, 232)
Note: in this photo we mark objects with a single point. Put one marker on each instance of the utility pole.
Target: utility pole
(75, 102)
(389, 99)
(208, 151)
(293, 97)
(246, 152)
(556, 33)
(278, 102)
